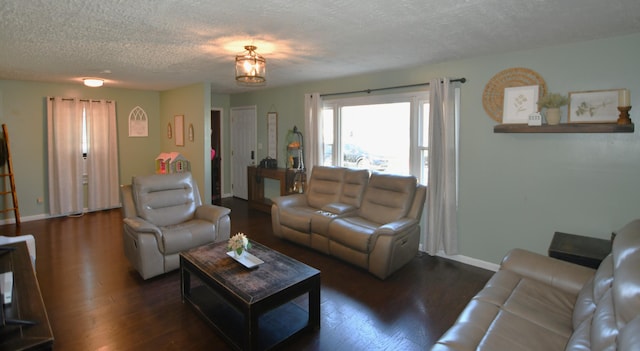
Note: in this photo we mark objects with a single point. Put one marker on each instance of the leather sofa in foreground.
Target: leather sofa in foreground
(371, 221)
(536, 302)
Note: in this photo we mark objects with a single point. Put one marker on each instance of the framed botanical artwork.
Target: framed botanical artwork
(595, 106)
(519, 103)
(272, 135)
(178, 124)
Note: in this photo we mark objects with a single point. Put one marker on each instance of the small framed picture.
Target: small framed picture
(178, 124)
(519, 103)
(596, 106)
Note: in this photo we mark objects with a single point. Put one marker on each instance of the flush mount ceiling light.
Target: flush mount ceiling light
(251, 68)
(93, 82)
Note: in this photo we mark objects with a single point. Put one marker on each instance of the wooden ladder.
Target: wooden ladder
(9, 174)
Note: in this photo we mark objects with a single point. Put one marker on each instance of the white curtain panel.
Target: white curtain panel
(442, 230)
(102, 157)
(312, 130)
(64, 141)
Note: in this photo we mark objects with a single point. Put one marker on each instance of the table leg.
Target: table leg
(185, 283)
(251, 329)
(314, 305)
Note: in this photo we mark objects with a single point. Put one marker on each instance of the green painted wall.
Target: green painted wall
(516, 189)
(194, 103)
(23, 110)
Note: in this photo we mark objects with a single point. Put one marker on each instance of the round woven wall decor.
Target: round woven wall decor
(493, 96)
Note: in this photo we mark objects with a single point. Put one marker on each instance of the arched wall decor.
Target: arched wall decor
(138, 123)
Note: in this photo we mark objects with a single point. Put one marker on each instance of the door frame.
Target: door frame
(254, 143)
(219, 153)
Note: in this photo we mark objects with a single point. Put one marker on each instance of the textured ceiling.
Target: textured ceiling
(164, 44)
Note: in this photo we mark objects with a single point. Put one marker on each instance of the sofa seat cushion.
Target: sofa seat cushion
(354, 232)
(532, 300)
(297, 218)
(186, 235)
(513, 313)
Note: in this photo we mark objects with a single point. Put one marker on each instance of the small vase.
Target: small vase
(553, 116)
(238, 255)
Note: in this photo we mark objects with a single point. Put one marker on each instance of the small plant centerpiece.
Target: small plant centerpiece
(238, 244)
(552, 102)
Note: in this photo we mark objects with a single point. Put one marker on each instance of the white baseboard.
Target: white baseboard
(471, 261)
(25, 219)
(467, 260)
(48, 216)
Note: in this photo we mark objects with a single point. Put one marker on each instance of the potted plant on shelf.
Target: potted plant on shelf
(552, 102)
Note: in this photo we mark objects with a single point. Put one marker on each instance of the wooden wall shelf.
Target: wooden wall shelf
(565, 128)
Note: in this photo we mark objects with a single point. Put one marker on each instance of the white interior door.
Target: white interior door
(243, 147)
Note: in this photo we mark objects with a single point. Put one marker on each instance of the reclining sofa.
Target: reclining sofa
(371, 221)
(535, 302)
(164, 215)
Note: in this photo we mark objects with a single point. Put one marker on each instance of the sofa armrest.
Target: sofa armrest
(339, 208)
(211, 213)
(563, 275)
(290, 200)
(219, 216)
(140, 225)
(395, 227)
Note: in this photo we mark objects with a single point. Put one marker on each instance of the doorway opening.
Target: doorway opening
(216, 152)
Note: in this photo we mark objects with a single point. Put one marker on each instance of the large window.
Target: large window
(385, 133)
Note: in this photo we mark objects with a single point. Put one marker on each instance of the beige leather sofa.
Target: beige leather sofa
(371, 221)
(536, 302)
(164, 215)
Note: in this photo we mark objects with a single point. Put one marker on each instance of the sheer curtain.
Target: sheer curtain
(442, 196)
(102, 156)
(66, 164)
(312, 130)
(64, 140)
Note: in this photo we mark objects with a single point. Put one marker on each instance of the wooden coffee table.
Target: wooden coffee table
(255, 308)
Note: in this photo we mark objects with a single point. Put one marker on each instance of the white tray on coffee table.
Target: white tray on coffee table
(246, 259)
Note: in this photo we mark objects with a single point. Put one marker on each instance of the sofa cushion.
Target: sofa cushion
(186, 235)
(353, 187)
(607, 303)
(387, 198)
(354, 232)
(165, 199)
(325, 186)
(297, 217)
(532, 300)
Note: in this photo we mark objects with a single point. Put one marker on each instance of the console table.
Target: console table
(255, 182)
(582, 250)
(27, 326)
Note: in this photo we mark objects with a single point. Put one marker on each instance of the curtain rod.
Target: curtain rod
(368, 91)
(83, 100)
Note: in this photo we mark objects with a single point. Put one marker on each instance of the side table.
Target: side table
(578, 249)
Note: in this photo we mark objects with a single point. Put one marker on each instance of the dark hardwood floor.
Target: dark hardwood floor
(96, 301)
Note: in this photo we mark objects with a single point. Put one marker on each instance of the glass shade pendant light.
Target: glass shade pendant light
(93, 82)
(251, 68)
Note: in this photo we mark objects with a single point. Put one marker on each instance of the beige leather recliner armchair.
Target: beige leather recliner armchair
(164, 215)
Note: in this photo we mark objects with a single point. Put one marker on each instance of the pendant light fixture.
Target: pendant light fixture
(93, 82)
(251, 68)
